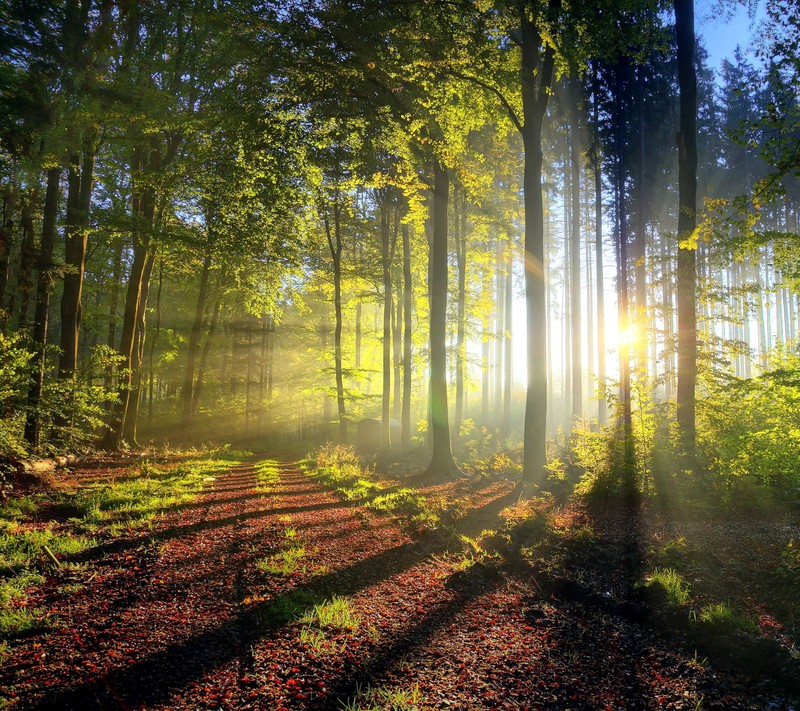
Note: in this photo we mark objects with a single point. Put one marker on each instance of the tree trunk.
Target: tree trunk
(153, 341)
(27, 258)
(508, 360)
(460, 223)
(386, 263)
(408, 296)
(199, 381)
(575, 259)
(623, 318)
(687, 189)
(187, 394)
(335, 246)
(442, 464)
(10, 195)
(75, 236)
(131, 417)
(537, 67)
(44, 289)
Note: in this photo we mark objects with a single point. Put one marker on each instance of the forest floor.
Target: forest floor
(271, 592)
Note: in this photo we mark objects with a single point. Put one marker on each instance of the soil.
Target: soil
(181, 617)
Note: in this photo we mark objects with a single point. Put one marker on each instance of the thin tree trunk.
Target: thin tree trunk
(387, 320)
(10, 195)
(602, 403)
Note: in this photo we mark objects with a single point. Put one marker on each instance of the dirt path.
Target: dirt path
(182, 618)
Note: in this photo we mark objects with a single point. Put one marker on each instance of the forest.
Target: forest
(399, 354)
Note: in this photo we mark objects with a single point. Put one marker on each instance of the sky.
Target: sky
(724, 24)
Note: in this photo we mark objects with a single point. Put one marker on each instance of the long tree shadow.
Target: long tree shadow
(160, 675)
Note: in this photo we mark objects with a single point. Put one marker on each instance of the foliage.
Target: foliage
(750, 435)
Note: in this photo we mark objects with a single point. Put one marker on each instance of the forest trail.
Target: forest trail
(270, 592)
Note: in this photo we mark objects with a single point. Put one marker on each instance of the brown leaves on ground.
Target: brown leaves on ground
(374, 615)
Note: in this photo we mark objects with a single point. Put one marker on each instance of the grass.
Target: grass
(15, 622)
(334, 614)
(147, 491)
(285, 563)
(721, 616)
(267, 475)
(672, 584)
(134, 500)
(372, 699)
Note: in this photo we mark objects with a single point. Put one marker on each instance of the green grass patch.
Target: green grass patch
(22, 547)
(267, 475)
(334, 614)
(16, 622)
(721, 616)
(403, 501)
(376, 699)
(148, 492)
(285, 563)
(15, 587)
(671, 584)
(361, 489)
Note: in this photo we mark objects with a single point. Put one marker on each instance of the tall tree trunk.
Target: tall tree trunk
(10, 196)
(508, 359)
(687, 189)
(460, 224)
(408, 295)
(199, 381)
(386, 264)
(640, 243)
(536, 68)
(499, 326)
(193, 349)
(113, 309)
(153, 342)
(442, 464)
(602, 403)
(575, 321)
(75, 236)
(44, 288)
(623, 308)
(131, 417)
(335, 244)
(27, 258)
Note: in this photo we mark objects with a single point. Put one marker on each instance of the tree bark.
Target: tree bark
(187, 394)
(75, 237)
(45, 283)
(575, 322)
(536, 68)
(408, 295)
(687, 190)
(602, 402)
(442, 464)
(460, 223)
